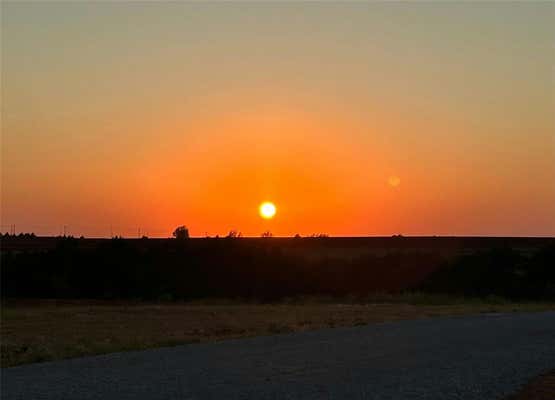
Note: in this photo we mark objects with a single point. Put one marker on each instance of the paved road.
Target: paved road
(482, 357)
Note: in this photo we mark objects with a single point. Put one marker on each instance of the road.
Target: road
(479, 357)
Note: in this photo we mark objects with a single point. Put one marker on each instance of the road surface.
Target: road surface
(479, 357)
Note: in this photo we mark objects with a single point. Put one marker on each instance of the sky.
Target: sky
(353, 118)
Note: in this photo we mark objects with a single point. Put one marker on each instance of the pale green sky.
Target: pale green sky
(457, 99)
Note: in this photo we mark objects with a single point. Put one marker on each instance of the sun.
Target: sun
(267, 210)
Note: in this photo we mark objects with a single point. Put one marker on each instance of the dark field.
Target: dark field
(119, 294)
(344, 247)
(270, 269)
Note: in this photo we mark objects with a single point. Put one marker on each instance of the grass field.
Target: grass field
(36, 331)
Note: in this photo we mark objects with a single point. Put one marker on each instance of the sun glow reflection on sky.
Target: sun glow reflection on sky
(353, 118)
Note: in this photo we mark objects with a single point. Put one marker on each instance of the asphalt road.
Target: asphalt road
(481, 357)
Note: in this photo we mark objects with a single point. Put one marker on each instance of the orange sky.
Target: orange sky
(135, 116)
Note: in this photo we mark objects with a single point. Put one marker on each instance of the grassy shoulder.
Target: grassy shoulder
(36, 331)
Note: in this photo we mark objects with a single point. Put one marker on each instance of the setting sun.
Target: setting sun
(267, 210)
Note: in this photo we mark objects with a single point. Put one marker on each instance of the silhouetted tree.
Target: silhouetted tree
(266, 234)
(181, 232)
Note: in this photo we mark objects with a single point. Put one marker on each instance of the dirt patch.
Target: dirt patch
(540, 388)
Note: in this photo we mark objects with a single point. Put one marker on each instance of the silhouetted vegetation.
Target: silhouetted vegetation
(268, 270)
(181, 232)
(19, 235)
(502, 272)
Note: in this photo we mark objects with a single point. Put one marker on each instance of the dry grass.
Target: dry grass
(49, 330)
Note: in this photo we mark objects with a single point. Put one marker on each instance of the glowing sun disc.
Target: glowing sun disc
(267, 210)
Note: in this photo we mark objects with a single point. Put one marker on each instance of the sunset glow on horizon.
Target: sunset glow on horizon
(351, 118)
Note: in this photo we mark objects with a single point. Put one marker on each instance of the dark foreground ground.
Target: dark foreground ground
(480, 357)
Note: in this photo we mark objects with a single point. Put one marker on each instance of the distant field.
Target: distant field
(343, 247)
(264, 273)
(35, 331)
(271, 269)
